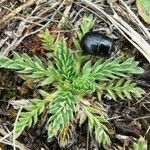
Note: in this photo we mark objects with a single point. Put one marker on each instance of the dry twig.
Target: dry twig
(12, 14)
(6, 139)
(28, 23)
(65, 15)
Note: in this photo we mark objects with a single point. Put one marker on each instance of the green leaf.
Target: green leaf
(120, 88)
(31, 66)
(65, 62)
(87, 24)
(47, 81)
(144, 9)
(43, 93)
(30, 117)
(114, 68)
(140, 145)
(61, 111)
(96, 126)
(48, 41)
(76, 43)
(83, 84)
(87, 69)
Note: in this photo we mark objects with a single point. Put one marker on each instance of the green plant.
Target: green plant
(144, 9)
(48, 41)
(73, 79)
(141, 144)
(71, 87)
(86, 25)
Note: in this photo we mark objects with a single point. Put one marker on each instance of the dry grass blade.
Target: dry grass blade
(7, 139)
(27, 23)
(2, 42)
(135, 19)
(11, 15)
(125, 29)
(65, 15)
(14, 131)
(2, 1)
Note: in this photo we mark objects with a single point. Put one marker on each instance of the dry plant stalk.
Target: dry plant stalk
(134, 18)
(2, 1)
(12, 14)
(125, 29)
(65, 15)
(27, 23)
(7, 139)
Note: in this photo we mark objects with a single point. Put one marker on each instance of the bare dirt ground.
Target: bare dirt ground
(20, 23)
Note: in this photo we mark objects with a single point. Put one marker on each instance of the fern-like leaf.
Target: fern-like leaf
(81, 85)
(65, 62)
(121, 88)
(84, 82)
(114, 68)
(30, 117)
(48, 41)
(86, 25)
(33, 67)
(61, 112)
(65, 136)
(96, 126)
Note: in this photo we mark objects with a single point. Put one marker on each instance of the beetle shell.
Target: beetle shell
(95, 43)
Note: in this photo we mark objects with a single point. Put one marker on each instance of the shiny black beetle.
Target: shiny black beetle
(95, 43)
